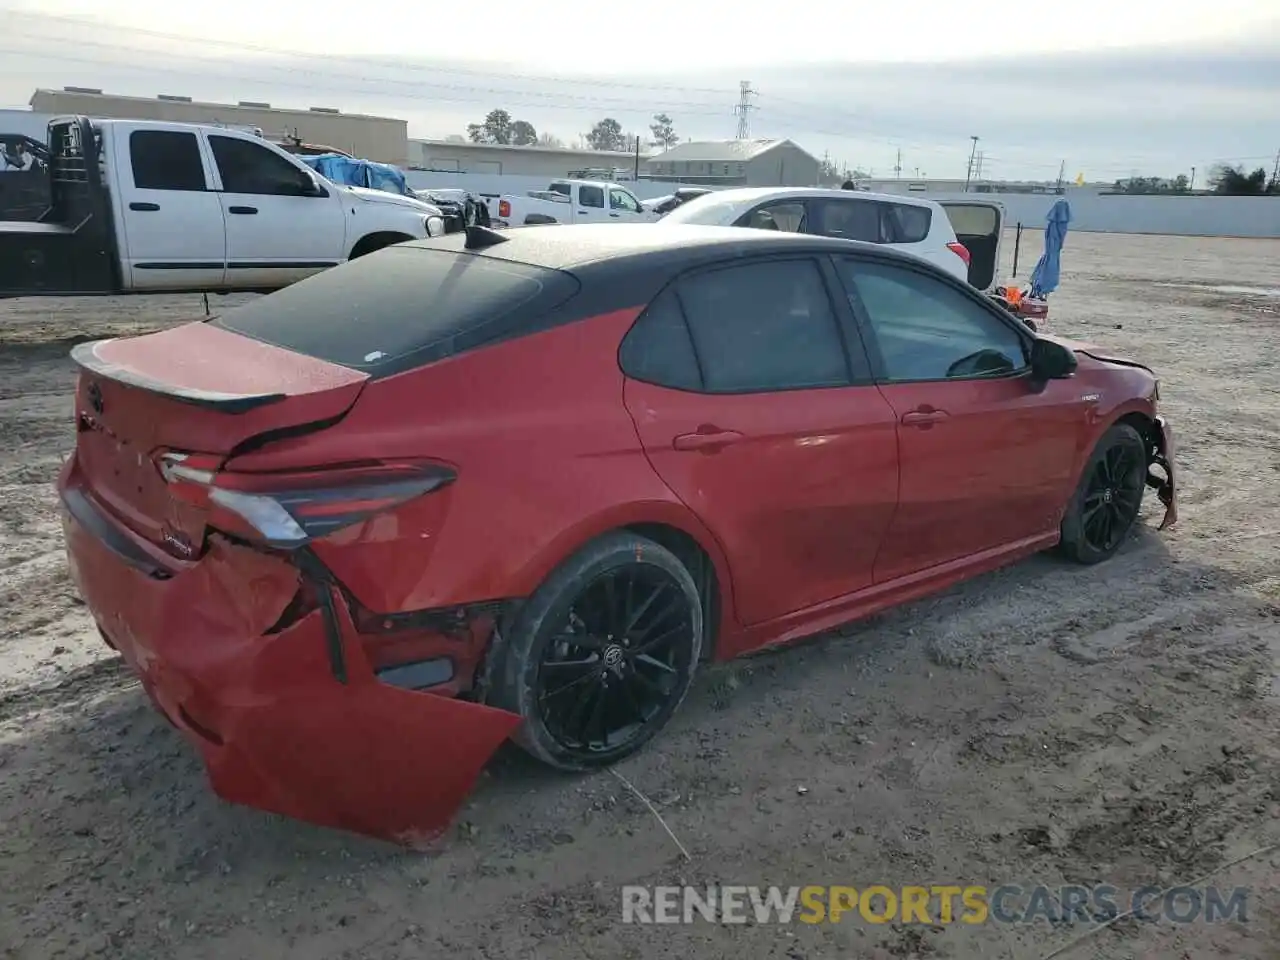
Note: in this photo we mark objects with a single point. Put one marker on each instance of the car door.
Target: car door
(986, 454)
(624, 207)
(590, 207)
(979, 226)
(278, 230)
(171, 221)
(751, 395)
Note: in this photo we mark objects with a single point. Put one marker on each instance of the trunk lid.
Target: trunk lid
(194, 389)
(979, 226)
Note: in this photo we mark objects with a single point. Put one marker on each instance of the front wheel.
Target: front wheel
(1108, 499)
(601, 656)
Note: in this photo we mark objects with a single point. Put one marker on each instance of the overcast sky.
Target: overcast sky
(1111, 88)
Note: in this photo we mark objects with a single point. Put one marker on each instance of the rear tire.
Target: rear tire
(1108, 498)
(598, 660)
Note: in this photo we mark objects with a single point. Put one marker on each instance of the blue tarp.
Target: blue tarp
(359, 173)
(1045, 276)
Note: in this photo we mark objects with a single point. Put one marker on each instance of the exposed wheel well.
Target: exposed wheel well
(1145, 426)
(376, 241)
(700, 567)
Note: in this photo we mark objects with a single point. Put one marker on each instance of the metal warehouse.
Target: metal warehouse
(374, 138)
(456, 156)
(736, 163)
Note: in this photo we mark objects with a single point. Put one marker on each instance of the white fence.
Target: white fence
(1091, 212)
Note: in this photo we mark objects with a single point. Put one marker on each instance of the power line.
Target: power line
(802, 117)
(380, 63)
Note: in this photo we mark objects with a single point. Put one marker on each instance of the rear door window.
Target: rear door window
(591, 197)
(166, 160)
(764, 326)
(851, 220)
(400, 308)
(907, 223)
(785, 215)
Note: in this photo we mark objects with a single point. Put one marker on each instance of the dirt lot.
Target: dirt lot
(1046, 724)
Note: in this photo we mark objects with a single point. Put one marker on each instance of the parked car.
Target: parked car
(150, 207)
(522, 483)
(969, 250)
(571, 201)
(665, 204)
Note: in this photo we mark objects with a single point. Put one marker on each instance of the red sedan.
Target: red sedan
(355, 534)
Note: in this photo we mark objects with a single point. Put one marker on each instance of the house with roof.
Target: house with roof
(736, 163)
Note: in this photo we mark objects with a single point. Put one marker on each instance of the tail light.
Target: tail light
(960, 250)
(290, 509)
(504, 209)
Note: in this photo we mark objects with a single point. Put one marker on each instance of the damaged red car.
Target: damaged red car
(357, 533)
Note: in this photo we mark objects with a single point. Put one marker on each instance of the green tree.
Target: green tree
(495, 129)
(523, 134)
(664, 133)
(607, 135)
(1234, 182)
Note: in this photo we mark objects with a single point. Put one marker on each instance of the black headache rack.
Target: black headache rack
(70, 250)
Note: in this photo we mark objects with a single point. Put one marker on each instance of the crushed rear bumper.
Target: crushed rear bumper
(276, 726)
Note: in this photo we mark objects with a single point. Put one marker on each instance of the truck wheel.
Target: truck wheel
(376, 241)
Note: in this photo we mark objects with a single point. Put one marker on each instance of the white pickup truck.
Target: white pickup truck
(571, 201)
(151, 207)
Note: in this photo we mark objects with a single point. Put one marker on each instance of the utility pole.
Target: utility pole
(897, 169)
(1062, 169)
(968, 174)
(1192, 188)
(1275, 171)
(744, 108)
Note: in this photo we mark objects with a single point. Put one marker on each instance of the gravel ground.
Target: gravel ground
(1044, 724)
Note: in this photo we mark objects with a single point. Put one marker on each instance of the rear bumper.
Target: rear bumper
(1166, 486)
(275, 727)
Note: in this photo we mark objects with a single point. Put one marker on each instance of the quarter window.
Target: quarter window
(658, 348)
(166, 160)
(764, 326)
(926, 330)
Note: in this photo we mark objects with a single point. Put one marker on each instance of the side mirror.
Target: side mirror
(435, 227)
(1051, 361)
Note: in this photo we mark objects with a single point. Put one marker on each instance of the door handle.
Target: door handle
(242, 210)
(614, 214)
(923, 417)
(144, 207)
(707, 440)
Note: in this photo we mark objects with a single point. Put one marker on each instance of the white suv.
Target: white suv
(961, 237)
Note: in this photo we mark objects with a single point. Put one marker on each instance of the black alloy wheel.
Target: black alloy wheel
(1108, 499)
(1113, 497)
(602, 654)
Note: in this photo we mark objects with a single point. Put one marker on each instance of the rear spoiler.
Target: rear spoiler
(85, 355)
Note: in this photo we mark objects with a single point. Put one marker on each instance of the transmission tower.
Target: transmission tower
(744, 108)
